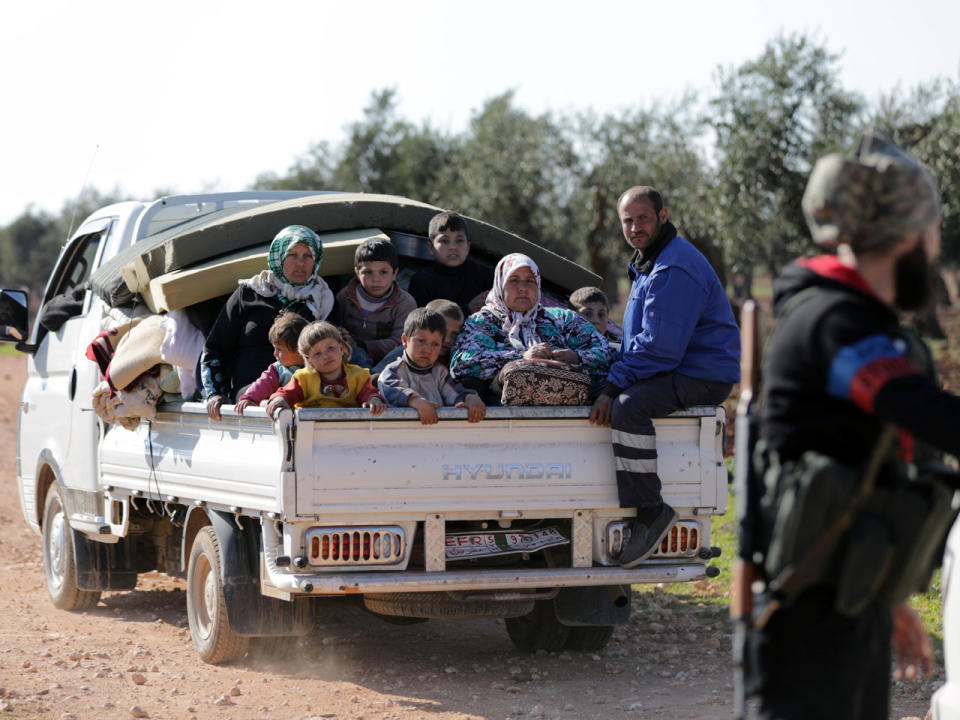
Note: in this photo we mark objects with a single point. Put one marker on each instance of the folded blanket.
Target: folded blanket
(136, 352)
(126, 407)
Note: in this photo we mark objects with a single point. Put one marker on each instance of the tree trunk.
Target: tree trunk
(596, 239)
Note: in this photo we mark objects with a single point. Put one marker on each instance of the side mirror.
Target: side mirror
(13, 316)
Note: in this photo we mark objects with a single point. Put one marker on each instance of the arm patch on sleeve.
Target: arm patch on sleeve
(859, 371)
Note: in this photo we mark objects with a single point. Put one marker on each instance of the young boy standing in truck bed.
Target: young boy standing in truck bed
(592, 303)
(453, 275)
(417, 380)
(372, 307)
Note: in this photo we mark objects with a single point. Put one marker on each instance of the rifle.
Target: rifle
(745, 572)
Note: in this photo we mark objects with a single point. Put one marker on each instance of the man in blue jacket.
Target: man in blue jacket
(681, 347)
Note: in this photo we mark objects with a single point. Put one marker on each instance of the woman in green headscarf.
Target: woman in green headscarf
(238, 349)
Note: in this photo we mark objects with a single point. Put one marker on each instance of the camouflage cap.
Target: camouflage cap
(873, 199)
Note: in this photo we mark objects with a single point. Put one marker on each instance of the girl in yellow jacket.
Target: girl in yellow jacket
(327, 381)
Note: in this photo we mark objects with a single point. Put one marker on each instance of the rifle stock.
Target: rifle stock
(743, 575)
(744, 572)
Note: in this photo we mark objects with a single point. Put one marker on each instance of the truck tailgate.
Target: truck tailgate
(525, 460)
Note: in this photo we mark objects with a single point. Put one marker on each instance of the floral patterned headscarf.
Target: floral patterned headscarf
(314, 292)
(520, 327)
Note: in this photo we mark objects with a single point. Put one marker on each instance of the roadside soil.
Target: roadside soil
(131, 655)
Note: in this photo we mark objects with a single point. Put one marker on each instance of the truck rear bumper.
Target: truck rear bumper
(477, 580)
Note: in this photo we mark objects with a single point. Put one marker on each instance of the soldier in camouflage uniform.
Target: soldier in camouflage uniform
(837, 370)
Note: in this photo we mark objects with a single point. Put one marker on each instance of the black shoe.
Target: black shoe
(642, 540)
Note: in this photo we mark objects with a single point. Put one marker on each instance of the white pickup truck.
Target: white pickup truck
(513, 517)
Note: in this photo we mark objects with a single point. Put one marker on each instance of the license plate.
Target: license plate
(481, 544)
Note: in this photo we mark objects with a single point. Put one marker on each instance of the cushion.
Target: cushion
(543, 382)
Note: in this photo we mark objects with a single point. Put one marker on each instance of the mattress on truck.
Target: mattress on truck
(187, 247)
(181, 288)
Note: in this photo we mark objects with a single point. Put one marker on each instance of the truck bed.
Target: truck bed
(349, 465)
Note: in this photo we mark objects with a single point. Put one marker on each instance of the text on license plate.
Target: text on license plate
(480, 544)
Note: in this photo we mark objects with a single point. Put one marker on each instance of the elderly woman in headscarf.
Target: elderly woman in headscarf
(513, 324)
(238, 348)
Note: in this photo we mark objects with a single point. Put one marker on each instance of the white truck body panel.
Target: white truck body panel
(57, 396)
(189, 456)
(354, 470)
(530, 461)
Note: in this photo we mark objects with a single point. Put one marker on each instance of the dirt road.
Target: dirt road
(131, 656)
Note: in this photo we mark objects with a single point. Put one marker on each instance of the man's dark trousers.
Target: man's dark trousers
(820, 665)
(634, 439)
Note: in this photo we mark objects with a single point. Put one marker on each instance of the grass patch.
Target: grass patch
(762, 288)
(929, 606)
(714, 591)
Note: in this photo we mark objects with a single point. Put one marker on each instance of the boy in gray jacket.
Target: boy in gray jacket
(416, 380)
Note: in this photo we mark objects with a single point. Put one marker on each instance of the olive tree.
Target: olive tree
(772, 117)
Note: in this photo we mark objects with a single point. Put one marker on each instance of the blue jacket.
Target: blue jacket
(677, 319)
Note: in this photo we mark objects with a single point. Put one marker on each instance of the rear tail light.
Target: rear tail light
(615, 537)
(356, 546)
(683, 540)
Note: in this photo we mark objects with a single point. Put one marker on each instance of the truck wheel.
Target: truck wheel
(589, 639)
(59, 564)
(210, 629)
(538, 630)
(441, 605)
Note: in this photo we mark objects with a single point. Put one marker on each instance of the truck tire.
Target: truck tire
(538, 629)
(59, 563)
(441, 605)
(210, 629)
(588, 639)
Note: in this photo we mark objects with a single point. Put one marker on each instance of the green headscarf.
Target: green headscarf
(286, 239)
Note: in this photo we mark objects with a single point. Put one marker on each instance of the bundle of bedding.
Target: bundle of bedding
(143, 360)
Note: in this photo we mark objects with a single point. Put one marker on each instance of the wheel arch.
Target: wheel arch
(194, 520)
(48, 473)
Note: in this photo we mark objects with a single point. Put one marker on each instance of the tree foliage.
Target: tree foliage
(313, 171)
(514, 170)
(30, 244)
(773, 117)
(732, 165)
(25, 249)
(655, 146)
(926, 122)
(382, 153)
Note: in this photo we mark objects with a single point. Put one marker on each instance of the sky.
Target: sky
(205, 95)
